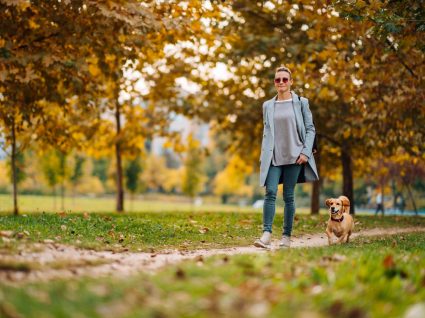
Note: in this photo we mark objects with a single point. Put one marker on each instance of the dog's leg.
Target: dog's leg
(342, 239)
(329, 234)
(348, 237)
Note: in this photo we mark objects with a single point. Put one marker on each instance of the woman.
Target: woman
(286, 153)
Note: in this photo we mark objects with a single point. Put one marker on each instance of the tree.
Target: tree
(193, 178)
(77, 173)
(132, 172)
(233, 180)
(340, 57)
(51, 166)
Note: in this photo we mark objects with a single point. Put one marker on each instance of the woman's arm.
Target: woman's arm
(310, 131)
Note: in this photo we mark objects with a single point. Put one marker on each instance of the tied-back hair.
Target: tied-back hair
(284, 69)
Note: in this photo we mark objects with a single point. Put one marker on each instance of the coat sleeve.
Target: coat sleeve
(310, 130)
(264, 129)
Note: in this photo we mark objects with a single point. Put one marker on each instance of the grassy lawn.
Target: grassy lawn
(168, 230)
(37, 203)
(369, 277)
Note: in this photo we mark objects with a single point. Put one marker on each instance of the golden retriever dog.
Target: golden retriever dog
(340, 223)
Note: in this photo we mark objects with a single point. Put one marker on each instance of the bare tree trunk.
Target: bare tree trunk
(382, 195)
(120, 190)
(73, 195)
(63, 195)
(14, 176)
(315, 195)
(54, 198)
(409, 191)
(347, 174)
(63, 182)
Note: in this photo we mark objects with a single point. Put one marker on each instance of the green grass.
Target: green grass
(160, 231)
(369, 277)
(36, 203)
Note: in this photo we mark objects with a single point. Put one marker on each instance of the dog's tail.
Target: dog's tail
(345, 204)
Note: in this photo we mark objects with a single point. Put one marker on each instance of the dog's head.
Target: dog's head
(338, 206)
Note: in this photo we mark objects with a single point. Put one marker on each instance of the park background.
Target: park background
(131, 132)
(165, 98)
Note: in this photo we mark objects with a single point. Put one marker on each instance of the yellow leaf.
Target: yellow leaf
(94, 70)
(33, 25)
(121, 38)
(347, 133)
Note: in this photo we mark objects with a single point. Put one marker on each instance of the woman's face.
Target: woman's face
(282, 82)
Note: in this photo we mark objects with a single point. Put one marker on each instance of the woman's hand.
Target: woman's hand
(302, 159)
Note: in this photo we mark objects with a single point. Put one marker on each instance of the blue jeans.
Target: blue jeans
(290, 177)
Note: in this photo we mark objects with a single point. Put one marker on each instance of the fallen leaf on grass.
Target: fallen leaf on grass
(246, 221)
(204, 230)
(63, 227)
(180, 274)
(388, 262)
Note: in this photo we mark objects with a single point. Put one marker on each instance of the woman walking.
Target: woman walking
(286, 153)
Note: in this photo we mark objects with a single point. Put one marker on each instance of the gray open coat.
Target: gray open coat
(306, 132)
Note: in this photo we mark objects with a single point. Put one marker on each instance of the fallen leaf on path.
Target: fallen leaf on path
(6, 233)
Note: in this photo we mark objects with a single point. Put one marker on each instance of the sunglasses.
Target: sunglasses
(281, 79)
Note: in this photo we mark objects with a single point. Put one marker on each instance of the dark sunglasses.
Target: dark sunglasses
(281, 79)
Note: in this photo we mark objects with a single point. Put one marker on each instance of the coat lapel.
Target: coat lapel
(298, 114)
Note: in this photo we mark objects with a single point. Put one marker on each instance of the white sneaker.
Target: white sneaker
(264, 241)
(285, 242)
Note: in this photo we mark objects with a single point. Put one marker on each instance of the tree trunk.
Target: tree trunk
(409, 191)
(395, 194)
(120, 190)
(14, 177)
(54, 198)
(382, 194)
(73, 196)
(315, 195)
(347, 174)
(63, 182)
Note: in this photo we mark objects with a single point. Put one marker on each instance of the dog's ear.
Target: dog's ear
(328, 202)
(346, 203)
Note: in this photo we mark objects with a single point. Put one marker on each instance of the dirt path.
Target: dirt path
(63, 261)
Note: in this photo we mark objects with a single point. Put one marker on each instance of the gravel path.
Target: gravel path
(63, 261)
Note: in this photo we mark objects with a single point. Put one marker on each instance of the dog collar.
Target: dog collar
(338, 220)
